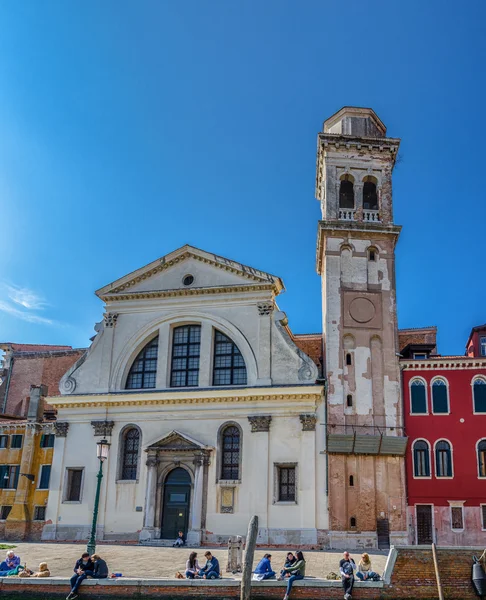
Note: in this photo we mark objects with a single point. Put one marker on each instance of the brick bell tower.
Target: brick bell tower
(365, 440)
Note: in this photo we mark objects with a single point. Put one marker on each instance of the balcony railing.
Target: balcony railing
(349, 214)
(371, 215)
(352, 439)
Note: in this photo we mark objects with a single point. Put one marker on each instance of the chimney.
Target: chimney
(36, 404)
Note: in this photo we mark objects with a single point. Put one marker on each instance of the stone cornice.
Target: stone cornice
(346, 142)
(298, 395)
(227, 289)
(446, 363)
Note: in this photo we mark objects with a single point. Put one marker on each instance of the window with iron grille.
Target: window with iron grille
(443, 459)
(479, 393)
(143, 372)
(4, 512)
(185, 356)
(3, 441)
(47, 440)
(230, 464)
(131, 446)
(16, 441)
(45, 476)
(286, 483)
(482, 458)
(73, 485)
(229, 366)
(39, 513)
(421, 459)
(457, 517)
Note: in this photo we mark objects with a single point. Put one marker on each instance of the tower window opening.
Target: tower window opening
(351, 481)
(348, 359)
(370, 196)
(352, 522)
(346, 193)
(349, 400)
(372, 256)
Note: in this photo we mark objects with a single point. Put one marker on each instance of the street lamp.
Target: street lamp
(102, 449)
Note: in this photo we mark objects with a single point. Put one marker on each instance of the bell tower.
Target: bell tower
(365, 439)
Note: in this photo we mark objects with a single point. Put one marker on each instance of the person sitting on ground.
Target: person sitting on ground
(264, 569)
(180, 541)
(11, 561)
(347, 566)
(192, 566)
(84, 566)
(43, 571)
(364, 571)
(289, 561)
(211, 569)
(100, 570)
(297, 572)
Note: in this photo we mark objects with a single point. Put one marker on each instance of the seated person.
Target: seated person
(211, 569)
(264, 569)
(297, 572)
(289, 562)
(11, 561)
(364, 571)
(180, 541)
(347, 566)
(100, 570)
(192, 566)
(84, 566)
(43, 571)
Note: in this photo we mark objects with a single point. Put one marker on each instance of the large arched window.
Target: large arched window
(443, 459)
(230, 449)
(440, 397)
(229, 366)
(130, 453)
(186, 344)
(421, 459)
(143, 372)
(418, 397)
(482, 458)
(370, 196)
(479, 395)
(346, 193)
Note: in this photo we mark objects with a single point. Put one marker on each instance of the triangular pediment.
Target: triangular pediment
(176, 440)
(187, 271)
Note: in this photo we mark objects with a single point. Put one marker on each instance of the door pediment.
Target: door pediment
(178, 441)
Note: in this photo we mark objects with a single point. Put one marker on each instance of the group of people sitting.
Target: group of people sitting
(364, 572)
(11, 567)
(293, 570)
(87, 566)
(210, 570)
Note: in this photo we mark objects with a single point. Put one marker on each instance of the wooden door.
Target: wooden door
(425, 531)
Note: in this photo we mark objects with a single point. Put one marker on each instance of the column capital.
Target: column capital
(61, 428)
(265, 308)
(109, 319)
(308, 422)
(103, 428)
(260, 423)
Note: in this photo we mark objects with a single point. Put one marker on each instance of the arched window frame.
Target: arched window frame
(121, 453)
(373, 254)
(481, 458)
(219, 456)
(474, 381)
(414, 466)
(451, 459)
(147, 373)
(446, 383)
(424, 383)
(235, 355)
(346, 177)
(369, 179)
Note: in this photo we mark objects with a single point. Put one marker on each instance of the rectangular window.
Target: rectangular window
(4, 512)
(185, 356)
(286, 483)
(419, 356)
(9, 477)
(47, 440)
(45, 476)
(73, 485)
(418, 398)
(39, 513)
(16, 441)
(457, 518)
(3, 441)
(482, 346)
(483, 516)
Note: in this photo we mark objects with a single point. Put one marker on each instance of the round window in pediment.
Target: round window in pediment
(188, 279)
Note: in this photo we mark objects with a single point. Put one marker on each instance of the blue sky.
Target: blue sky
(128, 129)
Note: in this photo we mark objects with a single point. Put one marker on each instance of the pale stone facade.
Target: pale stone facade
(356, 259)
(277, 414)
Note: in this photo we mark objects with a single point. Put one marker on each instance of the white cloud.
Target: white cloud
(21, 314)
(25, 297)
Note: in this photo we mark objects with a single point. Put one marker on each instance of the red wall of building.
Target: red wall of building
(463, 436)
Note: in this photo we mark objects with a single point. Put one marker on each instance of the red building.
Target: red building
(445, 421)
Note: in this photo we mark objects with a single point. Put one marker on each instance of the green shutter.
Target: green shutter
(419, 402)
(439, 398)
(480, 396)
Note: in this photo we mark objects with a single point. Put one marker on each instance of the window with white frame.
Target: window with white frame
(285, 483)
(482, 458)
(73, 485)
(482, 346)
(479, 395)
(3, 441)
(440, 397)
(443, 459)
(419, 356)
(457, 518)
(421, 459)
(418, 397)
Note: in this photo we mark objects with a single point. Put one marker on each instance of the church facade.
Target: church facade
(216, 411)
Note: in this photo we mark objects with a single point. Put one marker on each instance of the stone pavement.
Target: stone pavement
(152, 562)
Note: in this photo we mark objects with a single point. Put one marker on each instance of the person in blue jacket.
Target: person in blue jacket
(264, 568)
(211, 569)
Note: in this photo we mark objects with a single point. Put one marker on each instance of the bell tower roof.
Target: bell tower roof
(355, 121)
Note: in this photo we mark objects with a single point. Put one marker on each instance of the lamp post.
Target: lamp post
(102, 449)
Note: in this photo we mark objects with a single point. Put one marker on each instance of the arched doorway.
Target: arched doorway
(175, 509)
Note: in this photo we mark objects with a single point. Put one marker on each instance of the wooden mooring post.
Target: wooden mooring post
(248, 560)
(437, 574)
